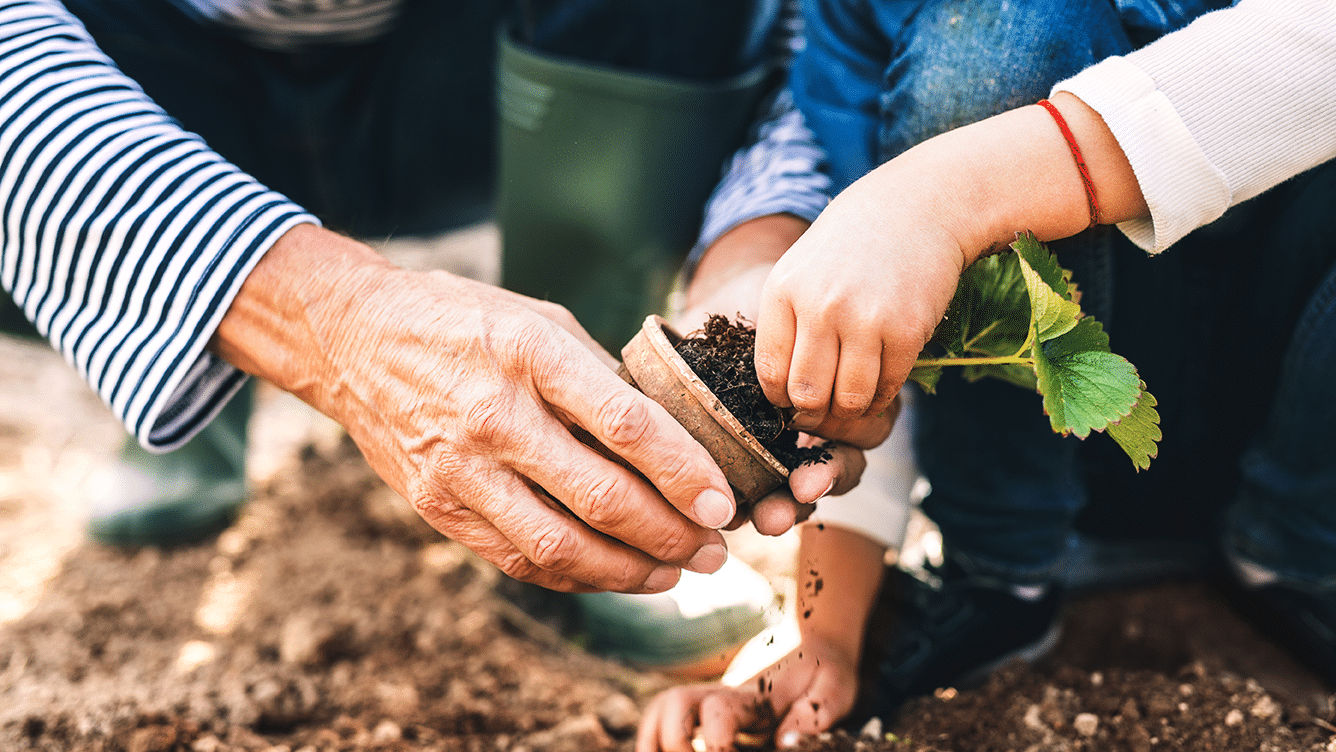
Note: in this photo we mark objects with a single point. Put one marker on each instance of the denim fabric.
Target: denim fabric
(1232, 329)
(877, 77)
(395, 136)
(1285, 515)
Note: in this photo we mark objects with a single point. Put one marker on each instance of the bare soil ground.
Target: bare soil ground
(331, 618)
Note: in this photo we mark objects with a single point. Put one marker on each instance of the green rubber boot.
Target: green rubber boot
(182, 497)
(603, 176)
(185, 496)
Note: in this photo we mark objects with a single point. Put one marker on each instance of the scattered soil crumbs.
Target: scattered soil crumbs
(332, 619)
(723, 355)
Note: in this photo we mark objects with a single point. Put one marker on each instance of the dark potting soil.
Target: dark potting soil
(723, 355)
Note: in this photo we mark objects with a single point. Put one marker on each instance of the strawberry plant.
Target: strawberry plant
(1017, 317)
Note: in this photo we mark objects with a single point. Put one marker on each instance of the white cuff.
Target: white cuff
(1182, 188)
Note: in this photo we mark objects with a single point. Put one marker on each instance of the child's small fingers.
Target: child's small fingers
(811, 385)
(721, 716)
(857, 376)
(895, 367)
(775, 331)
(669, 722)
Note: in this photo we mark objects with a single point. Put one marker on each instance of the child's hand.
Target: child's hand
(805, 692)
(852, 302)
(848, 308)
(729, 281)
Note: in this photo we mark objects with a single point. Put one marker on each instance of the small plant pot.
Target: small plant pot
(652, 365)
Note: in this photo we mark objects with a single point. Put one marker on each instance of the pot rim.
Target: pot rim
(657, 330)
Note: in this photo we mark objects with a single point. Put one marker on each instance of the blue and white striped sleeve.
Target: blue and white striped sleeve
(123, 237)
(780, 171)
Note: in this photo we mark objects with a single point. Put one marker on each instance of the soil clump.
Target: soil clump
(723, 354)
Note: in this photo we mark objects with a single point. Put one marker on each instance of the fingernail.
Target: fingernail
(708, 559)
(789, 739)
(826, 492)
(712, 508)
(661, 579)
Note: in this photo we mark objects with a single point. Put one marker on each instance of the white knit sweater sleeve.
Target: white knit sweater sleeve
(1218, 112)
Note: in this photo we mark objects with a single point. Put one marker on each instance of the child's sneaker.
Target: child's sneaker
(957, 629)
(1299, 619)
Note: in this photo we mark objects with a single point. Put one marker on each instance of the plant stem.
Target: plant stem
(997, 361)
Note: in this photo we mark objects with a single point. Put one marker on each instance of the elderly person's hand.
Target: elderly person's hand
(728, 281)
(463, 397)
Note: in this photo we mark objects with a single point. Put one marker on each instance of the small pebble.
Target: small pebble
(1086, 724)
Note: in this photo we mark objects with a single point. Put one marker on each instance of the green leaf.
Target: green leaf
(1022, 375)
(926, 377)
(1085, 386)
(1017, 317)
(990, 313)
(1054, 313)
(1044, 263)
(1139, 430)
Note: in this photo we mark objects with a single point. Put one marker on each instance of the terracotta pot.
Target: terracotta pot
(650, 364)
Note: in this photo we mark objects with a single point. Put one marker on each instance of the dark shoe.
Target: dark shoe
(182, 497)
(955, 630)
(1300, 620)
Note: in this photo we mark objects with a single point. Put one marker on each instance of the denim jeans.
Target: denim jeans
(396, 136)
(1233, 329)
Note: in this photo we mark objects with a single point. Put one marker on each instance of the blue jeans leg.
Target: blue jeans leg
(878, 78)
(1285, 515)
(1233, 331)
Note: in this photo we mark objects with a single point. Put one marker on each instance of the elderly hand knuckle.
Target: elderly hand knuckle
(677, 472)
(624, 419)
(604, 502)
(555, 550)
(517, 567)
(674, 543)
(487, 419)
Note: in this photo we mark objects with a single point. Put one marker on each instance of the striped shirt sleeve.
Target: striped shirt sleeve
(780, 171)
(123, 237)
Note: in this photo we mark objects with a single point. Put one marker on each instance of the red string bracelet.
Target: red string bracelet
(1080, 161)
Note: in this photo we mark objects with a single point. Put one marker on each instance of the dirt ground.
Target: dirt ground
(331, 618)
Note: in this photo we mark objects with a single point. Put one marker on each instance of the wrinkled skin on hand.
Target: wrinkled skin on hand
(461, 396)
